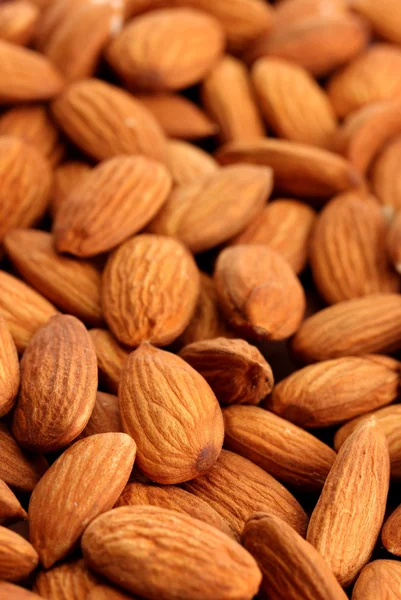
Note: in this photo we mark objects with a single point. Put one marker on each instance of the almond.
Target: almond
(18, 469)
(290, 12)
(105, 416)
(173, 60)
(18, 558)
(391, 539)
(384, 174)
(226, 88)
(334, 391)
(384, 19)
(379, 580)
(236, 488)
(258, 292)
(292, 103)
(346, 521)
(105, 592)
(212, 209)
(9, 591)
(394, 242)
(285, 226)
(10, 507)
(191, 418)
(9, 369)
(117, 199)
(85, 481)
(133, 290)
(74, 286)
(110, 358)
(284, 450)
(357, 326)
(302, 170)
(291, 567)
(385, 361)
(66, 177)
(173, 498)
(187, 163)
(236, 371)
(58, 386)
(104, 121)
(69, 580)
(18, 21)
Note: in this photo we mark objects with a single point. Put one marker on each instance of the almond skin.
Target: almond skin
(110, 358)
(74, 286)
(191, 420)
(69, 580)
(394, 242)
(191, 560)
(385, 19)
(117, 199)
(18, 558)
(18, 21)
(9, 369)
(236, 371)
(333, 391)
(346, 521)
(291, 567)
(187, 162)
(105, 416)
(352, 327)
(18, 469)
(384, 174)
(9, 591)
(284, 450)
(105, 592)
(252, 304)
(211, 210)
(104, 121)
(255, 491)
(10, 507)
(85, 481)
(391, 533)
(132, 290)
(289, 12)
(66, 177)
(379, 580)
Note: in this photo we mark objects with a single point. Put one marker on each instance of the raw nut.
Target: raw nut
(9, 591)
(105, 121)
(385, 361)
(83, 482)
(17, 468)
(173, 498)
(66, 581)
(10, 507)
(236, 371)
(284, 450)
(105, 592)
(291, 567)
(226, 88)
(73, 285)
(66, 177)
(391, 539)
(292, 103)
(384, 174)
(138, 304)
(385, 18)
(159, 391)
(25, 184)
(212, 209)
(9, 369)
(105, 416)
(289, 12)
(236, 488)
(259, 293)
(178, 116)
(23, 309)
(305, 171)
(284, 225)
(186, 43)
(394, 242)
(110, 358)
(18, 558)
(346, 521)
(187, 163)
(347, 250)
(352, 327)
(379, 580)
(18, 21)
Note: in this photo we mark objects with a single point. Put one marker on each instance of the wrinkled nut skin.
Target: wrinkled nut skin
(379, 580)
(390, 536)
(10, 507)
(110, 358)
(105, 416)
(18, 558)
(9, 369)
(72, 579)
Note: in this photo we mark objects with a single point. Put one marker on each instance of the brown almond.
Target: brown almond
(18, 558)
(18, 469)
(110, 358)
(385, 19)
(290, 12)
(71, 580)
(384, 174)
(187, 162)
(379, 580)
(18, 21)
(390, 536)
(66, 177)
(9, 369)
(385, 361)
(394, 242)
(105, 592)
(105, 416)
(10, 507)
(9, 591)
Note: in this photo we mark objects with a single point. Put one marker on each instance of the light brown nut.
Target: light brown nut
(9, 591)
(385, 361)
(384, 18)
(212, 209)
(73, 285)
(23, 309)
(289, 12)
(305, 171)
(133, 290)
(291, 567)
(18, 21)
(259, 293)
(284, 450)
(188, 163)
(58, 386)
(18, 558)
(346, 521)
(236, 371)
(384, 174)
(105, 416)
(10, 507)
(9, 369)
(334, 391)
(159, 391)
(68, 581)
(105, 592)
(173, 498)
(18, 469)
(110, 358)
(284, 225)
(236, 488)
(379, 580)
(391, 538)
(104, 121)
(25, 184)
(66, 177)
(85, 481)
(117, 199)
(394, 242)
(226, 88)
(292, 103)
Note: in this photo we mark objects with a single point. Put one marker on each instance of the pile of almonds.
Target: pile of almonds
(200, 299)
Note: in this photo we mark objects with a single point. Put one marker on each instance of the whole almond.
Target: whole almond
(85, 481)
(71, 580)
(384, 174)
(9, 591)
(289, 12)
(133, 290)
(384, 19)
(105, 416)
(18, 469)
(379, 580)
(9, 369)
(346, 521)
(105, 592)
(187, 162)
(394, 242)
(18, 21)
(259, 293)
(391, 539)
(66, 177)
(291, 567)
(18, 558)
(10, 507)
(110, 358)
(191, 418)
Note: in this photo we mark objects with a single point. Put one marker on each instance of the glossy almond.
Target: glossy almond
(18, 21)
(9, 369)
(187, 162)
(85, 481)
(18, 558)
(386, 183)
(284, 450)
(18, 469)
(110, 358)
(379, 580)
(259, 293)
(105, 416)
(346, 521)
(71, 580)
(191, 418)
(66, 177)
(10, 507)
(133, 290)
(394, 242)
(385, 19)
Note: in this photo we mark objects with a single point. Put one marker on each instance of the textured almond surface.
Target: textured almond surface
(71, 580)
(18, 469)
(105, 592)
(187, 162)
(394, 242)
(10, 507)
(105, 416)
(18, 558)
(379, 580)
(385, 179)
(9, 369)
(110, 358)
(66, 177)
(391, 538)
